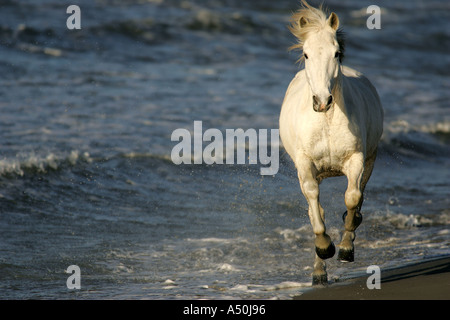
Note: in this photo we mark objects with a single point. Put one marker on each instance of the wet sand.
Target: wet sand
(428, 280)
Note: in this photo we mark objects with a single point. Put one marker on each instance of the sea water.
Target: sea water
(86, 175)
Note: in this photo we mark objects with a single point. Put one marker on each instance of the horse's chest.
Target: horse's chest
(329, 146)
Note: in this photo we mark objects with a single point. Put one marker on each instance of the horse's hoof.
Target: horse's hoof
(346, 255)
(320, 280)
(326, 253)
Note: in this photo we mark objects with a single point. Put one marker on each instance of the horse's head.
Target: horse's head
(321, 52)
(323, 48)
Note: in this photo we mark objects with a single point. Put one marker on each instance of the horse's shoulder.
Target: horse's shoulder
(299, 78)
(300, 74)
(355, 77)
(296, 85)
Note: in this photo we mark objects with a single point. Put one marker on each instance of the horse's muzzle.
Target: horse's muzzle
(320, 106)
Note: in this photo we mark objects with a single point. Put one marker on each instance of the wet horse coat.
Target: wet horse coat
(330, 124)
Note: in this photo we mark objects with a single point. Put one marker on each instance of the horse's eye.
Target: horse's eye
(336, 55)
(305, 55)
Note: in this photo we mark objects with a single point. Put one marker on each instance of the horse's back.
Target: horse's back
(361, 99)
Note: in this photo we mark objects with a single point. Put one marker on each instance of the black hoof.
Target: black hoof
(320, 280)
(345, 255)
(326, 253)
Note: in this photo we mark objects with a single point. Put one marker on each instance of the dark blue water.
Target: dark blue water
(86, 176)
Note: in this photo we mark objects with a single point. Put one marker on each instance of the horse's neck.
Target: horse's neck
(338, 90)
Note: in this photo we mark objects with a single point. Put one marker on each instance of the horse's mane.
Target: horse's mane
(317, 20)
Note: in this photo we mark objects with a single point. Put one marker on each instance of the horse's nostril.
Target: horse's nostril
(315, 100)
(330, 100)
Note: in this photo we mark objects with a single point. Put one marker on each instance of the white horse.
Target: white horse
(330, 124)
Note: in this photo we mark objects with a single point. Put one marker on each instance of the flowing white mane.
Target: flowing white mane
(316, 19)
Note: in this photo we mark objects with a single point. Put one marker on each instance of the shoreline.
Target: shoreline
(423, 280)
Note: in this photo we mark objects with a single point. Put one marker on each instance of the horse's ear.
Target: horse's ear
(302, 22)
(333, 21)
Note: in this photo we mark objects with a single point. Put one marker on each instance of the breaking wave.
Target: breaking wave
(32, 163)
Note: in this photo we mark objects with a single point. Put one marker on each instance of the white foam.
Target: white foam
(241, 287)
(407, 221)
(169, 282)
(286, 285)
(304, 232)
(404, 126)
(227, 267)
(41, 164)
(215, 240)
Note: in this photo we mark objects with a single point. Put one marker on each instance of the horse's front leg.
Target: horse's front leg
(325, 249)
(353, 169)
